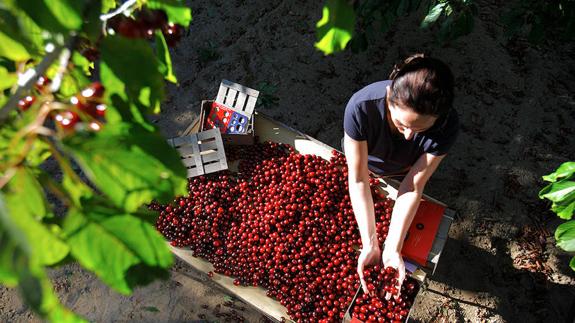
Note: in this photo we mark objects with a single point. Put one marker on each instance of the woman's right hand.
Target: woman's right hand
(370, 255)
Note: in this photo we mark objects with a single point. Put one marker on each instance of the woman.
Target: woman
(401, 128)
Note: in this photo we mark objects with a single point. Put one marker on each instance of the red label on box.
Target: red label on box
(219, 117)
(422, 232)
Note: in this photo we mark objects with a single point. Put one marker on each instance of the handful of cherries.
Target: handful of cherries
(374, 308)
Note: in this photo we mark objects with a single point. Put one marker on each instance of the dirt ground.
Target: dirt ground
(516, 103)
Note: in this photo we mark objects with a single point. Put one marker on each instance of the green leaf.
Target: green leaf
(130, 165)
(13, 45)
(15, 249)
(7, 79)
(433, 14)
(336, 26)
(572, 263)
(565, 210)
(164, 58)
(54, 15)
(566, 169)
(152, 309)
(130, 70)
(565, 236)
(25, 197)
(558, 191)
(111, 243)
(18, 266)
(176, 10)
(82, 63)
(108, 5)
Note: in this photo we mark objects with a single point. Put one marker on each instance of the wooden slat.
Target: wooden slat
(211, 168)
(251, 105)
(193, 172)
(230, 97)
(221, 93)
(210, 157)
(204, 146)
(186, 151)
(241, 101)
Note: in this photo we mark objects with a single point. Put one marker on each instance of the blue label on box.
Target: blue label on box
(238, 124)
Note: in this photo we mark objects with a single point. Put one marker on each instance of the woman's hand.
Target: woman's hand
(370, 255)
(392, 258)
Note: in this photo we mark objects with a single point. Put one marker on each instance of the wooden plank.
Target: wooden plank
(210, 157)
(212, 168)
(186, 151)
(222, 93)
(193, 172)
(208, 145)
(255, 296)
(240, 102)
(251, 105)
(230, 97)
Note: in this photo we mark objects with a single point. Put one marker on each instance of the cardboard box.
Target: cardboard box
(427, 234)
(228, 138)
(417, 274)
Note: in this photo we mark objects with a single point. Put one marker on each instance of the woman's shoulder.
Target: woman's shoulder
(373, 91)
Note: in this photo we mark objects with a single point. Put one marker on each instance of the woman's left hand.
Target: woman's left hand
(392, 258)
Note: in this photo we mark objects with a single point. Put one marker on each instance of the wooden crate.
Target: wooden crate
(202, 152)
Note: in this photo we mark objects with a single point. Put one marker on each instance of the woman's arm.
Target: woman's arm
(362, 203)
(406, 204)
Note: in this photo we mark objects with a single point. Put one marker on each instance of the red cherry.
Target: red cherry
(25, 103)
(42, 83)
(93, 91)
(66, 119)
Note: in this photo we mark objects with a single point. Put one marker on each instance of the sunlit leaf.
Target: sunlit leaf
(111, 243)
(336, 26)
(176, 10)
(130, 70)
(164, 58)
(565, 236)
(433, 15)
(13, 45)
(18, 265)
(54, 15)
(130, 165)
(558, 191)
(25, 197)
(7, 79)
(566, 169)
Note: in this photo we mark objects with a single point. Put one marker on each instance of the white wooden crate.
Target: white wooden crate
(202, 152)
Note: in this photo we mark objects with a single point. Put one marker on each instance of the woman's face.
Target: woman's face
(408, 122)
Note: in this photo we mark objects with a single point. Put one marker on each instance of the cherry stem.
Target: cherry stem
(56, 188)
(64, 162)
(27, 79)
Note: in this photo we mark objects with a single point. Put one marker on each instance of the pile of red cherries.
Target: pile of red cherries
(283, 222)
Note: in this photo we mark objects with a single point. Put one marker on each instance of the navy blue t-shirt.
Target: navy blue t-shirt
(389, 153)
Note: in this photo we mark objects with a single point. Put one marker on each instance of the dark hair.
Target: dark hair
(423, 84)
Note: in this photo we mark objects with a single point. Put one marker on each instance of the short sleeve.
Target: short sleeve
(354, 121)
(444, 139)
